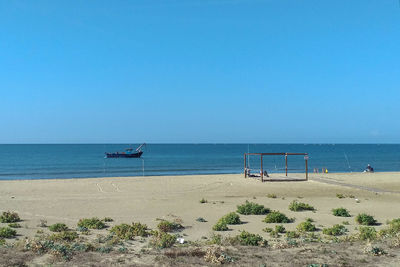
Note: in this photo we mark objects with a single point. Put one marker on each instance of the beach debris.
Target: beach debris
(357, 200)
(201, 219)
(180, 240)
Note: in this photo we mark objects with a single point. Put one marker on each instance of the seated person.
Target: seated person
(369, 169)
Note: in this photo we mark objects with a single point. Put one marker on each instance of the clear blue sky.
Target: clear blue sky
(256, 71)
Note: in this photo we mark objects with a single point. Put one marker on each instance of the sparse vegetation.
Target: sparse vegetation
(202, 201)
(271, 196)
(129, 232)
(335, 230)
(220, 226)
(345, 223)
(14, 225)
(393, 229)
(7, 232)
(367, 233)
(248, 239)
(365, 219)
(162, 239)
(231, 218)
(251, 208)
(280, 229)
(300, 206)
(341, 212)
(167, 226)
(277, 217)
(340, 195)
(306, 227)
(92, 223)
(9, 217)
(58, 227)
(108, 219)
(292, 234)
(64, 236)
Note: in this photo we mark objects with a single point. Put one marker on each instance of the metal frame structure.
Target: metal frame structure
(274, 154)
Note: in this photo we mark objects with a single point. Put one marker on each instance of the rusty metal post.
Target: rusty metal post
(286, 163)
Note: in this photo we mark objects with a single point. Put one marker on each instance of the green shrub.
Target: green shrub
(345, 223)
(249, 208)
(64, 236)
(14, 225)
(202, 201)
(167, 226)
(341, 212)
(280, 229)
(108, 219)
(162, 239)
(268, 229)
(335, 230)
(129, 232)
(92, 223)
(7, 232)
(299, 206)
(306, 227)
(220, 226)
(58, 227)
(271, 196)
(340, 195)
(367, 233)
(277, 217)
(393, 230)
(365, 219)
(292, 234)
(9, 217)
(248, 239)
(231, 218)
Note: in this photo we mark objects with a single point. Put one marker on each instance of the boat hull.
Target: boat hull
(124, 155)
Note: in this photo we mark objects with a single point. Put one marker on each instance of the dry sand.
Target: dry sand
(144, 199)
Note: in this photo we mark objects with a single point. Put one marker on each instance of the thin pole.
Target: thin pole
(286, 163)
(262, 173)
(245, 166)
(306, 170)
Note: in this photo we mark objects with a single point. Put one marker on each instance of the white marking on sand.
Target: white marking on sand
(99, 188)
(116, 187)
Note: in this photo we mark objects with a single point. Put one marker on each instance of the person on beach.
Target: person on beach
(369, 169)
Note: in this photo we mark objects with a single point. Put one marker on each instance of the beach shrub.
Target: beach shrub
(271, 196)
(365, 219)
(231, 218)
(202, 201)
(167, 226)
(58, 227)
(277, 217)
(340, 195)
(299, 206)
(248, 239)
(129, 232)
(92, 223)
(201, 219)
(162, 239)
(9, 217)
(64, 236)
(393, 229)
(345, 223)
(367, 233)
(341, 212)
(306, 227)
(108, 219)
(335, 230)
(280, 229)
(292, 234)
(268, 229)
(249, 208)
(220, 226)
(14, 225)
(7, 232)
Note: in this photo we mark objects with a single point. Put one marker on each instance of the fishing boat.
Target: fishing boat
(129, 153)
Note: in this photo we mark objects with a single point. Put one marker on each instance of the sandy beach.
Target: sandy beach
(146, 199)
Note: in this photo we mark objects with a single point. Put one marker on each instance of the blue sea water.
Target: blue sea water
(80, 160)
